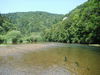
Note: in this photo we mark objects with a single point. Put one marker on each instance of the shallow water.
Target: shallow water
(58, 59)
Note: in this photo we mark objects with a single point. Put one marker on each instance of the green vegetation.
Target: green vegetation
(25, 27)
(28, 22)
(81, 25)
(5, 26)
(13, 36)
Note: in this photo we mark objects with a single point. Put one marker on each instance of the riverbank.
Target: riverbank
(23, 48)
(11, 49)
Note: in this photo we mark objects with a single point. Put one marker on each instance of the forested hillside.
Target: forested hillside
(25, 26)
(81, 25)
(28, 22)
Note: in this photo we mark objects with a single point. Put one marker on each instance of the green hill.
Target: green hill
(81, 25)
(25, 26)
(28, 22)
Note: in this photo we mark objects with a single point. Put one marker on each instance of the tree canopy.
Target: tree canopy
(81, 25)
(27, 24)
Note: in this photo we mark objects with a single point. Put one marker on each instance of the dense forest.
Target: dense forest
(28, 22)
(81, 25)
(25, 26)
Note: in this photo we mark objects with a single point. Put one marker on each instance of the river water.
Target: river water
(56, 59)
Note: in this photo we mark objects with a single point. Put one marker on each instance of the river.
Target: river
(49, 59)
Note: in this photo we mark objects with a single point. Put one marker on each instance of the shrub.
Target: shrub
(13, 36)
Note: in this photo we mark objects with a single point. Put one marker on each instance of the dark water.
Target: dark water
(61, 59)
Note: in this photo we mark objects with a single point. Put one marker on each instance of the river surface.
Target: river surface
(49, 59)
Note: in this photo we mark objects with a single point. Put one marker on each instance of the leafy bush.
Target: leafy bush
(13, 36)
(34, 37)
